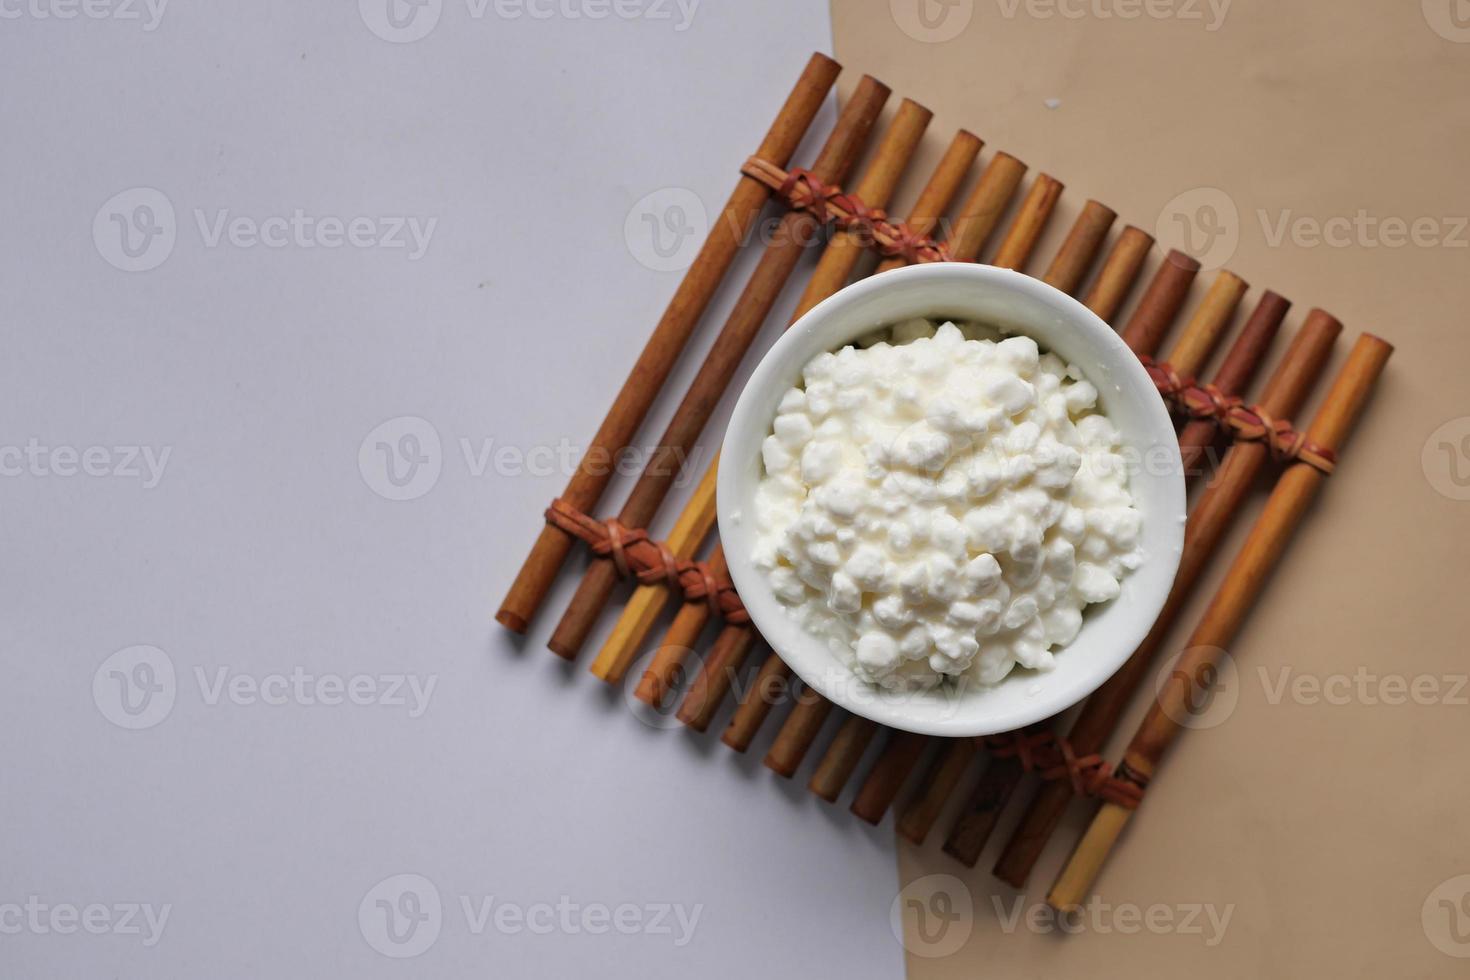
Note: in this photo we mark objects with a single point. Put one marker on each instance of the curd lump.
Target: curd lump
(942, 504)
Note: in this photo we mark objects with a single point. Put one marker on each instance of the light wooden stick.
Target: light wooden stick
(1208, 325)
(1119, 273)
(649, 601)
(1222, 621)
(1020, 241)
(669, 338)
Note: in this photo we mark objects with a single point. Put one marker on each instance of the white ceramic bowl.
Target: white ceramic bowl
(1016, 303)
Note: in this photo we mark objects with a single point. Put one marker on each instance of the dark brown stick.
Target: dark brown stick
(1162, 301)
(1234, 375)
(773, 679)
(886, 778)
(842, 757)
(798, 733)
(939, 782)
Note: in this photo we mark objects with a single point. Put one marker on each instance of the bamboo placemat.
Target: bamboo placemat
(1260, 436)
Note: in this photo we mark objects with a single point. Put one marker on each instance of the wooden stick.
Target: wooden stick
(649, 601)
(875, 189)
(972, 829)
(712, 682)
(842, 757)
(798, 733)
(1162, 301)
(985, 206)
(1208, 325)
(1244, 357)
(1084, 241)
(773, 678)
(795, 231)
(1227, 613)
(1119, 273)
(936, 196)
(669, 338)
(888, 775)
(663, 673)
(1213, 516)
(1020, 241)
(939, 782)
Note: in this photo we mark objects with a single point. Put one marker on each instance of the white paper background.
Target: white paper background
(264, 549)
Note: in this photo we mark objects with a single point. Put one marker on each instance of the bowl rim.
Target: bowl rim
(806, 654)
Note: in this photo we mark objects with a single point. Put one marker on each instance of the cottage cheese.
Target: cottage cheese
(942, 504)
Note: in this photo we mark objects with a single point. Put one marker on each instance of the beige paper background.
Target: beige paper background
(1326, 826)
